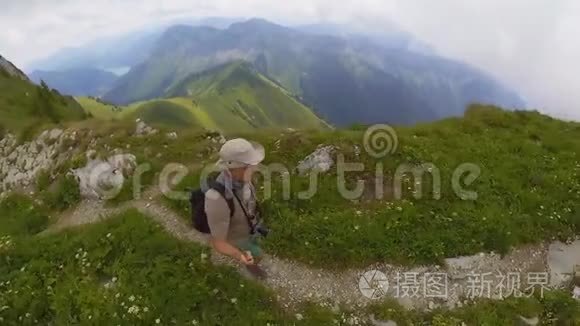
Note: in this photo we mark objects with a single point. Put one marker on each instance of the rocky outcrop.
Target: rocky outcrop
(21, 163)
(142, 129)
(103, 179)
(11, 69)
(321, 160)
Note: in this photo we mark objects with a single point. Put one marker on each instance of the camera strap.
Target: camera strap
(248, 218)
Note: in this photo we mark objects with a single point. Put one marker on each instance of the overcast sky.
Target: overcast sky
(531, 45)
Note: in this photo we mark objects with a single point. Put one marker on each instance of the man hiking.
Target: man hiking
(235, 227)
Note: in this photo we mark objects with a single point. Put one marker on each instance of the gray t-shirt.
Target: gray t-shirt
(235, 229)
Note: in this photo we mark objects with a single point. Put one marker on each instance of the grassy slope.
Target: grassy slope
(235, 97)
(229, 98)
(128, 271)
(98, 109)
(22, 110)
(528, 191)
(152, 270)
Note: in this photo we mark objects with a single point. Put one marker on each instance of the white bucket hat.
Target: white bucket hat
(239, 152)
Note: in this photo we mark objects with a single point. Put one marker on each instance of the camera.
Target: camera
(262, 230)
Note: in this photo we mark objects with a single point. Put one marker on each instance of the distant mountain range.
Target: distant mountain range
(117, 53)
(345, 77)
(391, 37)
(77, 82)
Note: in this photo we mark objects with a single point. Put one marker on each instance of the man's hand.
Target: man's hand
(246, 258)
(227, 249)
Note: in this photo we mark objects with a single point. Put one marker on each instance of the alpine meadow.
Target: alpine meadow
(366, 174)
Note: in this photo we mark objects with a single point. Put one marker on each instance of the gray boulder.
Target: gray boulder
(562, 259)
(103, 179)
(321, 160)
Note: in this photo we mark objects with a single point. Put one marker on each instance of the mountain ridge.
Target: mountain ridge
(420, 87)
(24, 106)
(233, 96)
(11, 69)
(77, 81)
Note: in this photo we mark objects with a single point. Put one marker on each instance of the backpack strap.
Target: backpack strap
(221, 189)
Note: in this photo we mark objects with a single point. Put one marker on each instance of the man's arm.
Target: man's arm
(227, 249)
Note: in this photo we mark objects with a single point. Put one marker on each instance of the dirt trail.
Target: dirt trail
(295, 282)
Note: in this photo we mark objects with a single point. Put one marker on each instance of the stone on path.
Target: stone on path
(530, 321)
(561, 261)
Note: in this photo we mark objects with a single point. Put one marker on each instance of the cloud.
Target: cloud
(528, 44)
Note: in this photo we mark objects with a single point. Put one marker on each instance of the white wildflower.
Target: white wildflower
(234, 300)
(132, 298)
(133, 310)
(157, 321)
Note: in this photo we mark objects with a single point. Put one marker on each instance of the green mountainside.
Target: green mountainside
(345, 80)
(136, 269)
(229, 97)
(25, 106)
